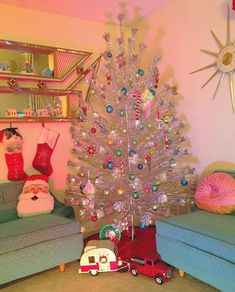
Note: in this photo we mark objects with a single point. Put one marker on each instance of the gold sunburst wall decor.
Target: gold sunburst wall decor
(224, 63)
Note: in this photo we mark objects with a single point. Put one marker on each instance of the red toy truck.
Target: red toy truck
(154, 268)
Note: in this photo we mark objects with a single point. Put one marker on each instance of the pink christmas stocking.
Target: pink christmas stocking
(46, 145)
(12, 141)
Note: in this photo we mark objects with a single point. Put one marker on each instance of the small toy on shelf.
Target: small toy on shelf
(151, 267)
(101, 256)
(27, 68)
(4, 67)
(11, 112)
(47, 72)
(28, 112)
(43, 112)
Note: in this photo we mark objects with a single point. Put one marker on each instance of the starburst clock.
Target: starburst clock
(224, 63)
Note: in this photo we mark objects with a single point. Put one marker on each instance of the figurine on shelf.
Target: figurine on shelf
(4, 67)
(43, 112)
(28, 112)
(27, 68)
(47, 72)
(11, 112)
(58, 111)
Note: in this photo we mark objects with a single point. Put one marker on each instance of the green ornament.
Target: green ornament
(134, 106)
(132, 176)
(122, 113)
(154, 188)
(119, 152)
(135, 195)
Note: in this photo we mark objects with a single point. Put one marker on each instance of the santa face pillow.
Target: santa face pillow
(35, 198)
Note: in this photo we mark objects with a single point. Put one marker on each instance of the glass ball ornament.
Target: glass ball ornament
(106, 192)
(110, 165)
(94, 218)
(151, 152)
(122, 113)
(140, 166)
(93, 130)
(132, 152)
(135, 142)
(134, 105)
(154, 188)
(132, 176)
(184, 181)
(82, 174)
(119, 152)
(153, 92)
(109, 54)
(110, 142)
(109, 109)
(124, 90)
(150, 126)
(155, 207)
(146, 190)
(140, 72)
(142, 225)
(135, 195)
(120, 191)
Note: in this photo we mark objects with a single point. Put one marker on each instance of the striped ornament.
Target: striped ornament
(137, 95)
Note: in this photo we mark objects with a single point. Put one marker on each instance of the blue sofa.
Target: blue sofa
(34, 244)
(202, 244)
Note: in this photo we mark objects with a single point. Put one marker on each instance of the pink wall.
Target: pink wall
(178, 30)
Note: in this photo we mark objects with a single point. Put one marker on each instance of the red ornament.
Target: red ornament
(94, 218)
(108, 77)
(156, 80)
(91, 150)
(93, 130)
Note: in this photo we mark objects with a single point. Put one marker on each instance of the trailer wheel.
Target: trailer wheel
(158, 280)
(94, 272)
(134, 272)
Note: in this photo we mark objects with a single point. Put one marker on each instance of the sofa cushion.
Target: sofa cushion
(8, 212)
(209, 232)
(25, 232)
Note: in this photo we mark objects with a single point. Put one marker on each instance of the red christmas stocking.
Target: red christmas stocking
(46, 145)
(12, 141)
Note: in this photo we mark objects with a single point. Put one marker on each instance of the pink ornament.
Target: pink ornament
(89, 188)
(147, 190)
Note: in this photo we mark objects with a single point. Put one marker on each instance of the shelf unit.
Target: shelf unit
(42, 83)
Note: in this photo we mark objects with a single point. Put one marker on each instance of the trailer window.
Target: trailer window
(91, 260)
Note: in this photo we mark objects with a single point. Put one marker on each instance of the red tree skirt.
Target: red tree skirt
(143, 245)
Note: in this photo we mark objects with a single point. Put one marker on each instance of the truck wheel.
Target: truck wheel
(158, 280)
(94, 272)
(134, 272)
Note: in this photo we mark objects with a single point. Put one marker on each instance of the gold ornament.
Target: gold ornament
(120, 191)
(124, 131)
(106, 192)
(110, 142)
(151, 152)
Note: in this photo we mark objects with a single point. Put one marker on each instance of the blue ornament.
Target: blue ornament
(140, 166)
(142, 225)
(124, 90)
(132, 152)
(110, 165)
(109, 109)
(184, 181)
(140, 72)
(152, 91)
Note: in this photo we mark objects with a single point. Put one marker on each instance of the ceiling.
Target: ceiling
(94, 10)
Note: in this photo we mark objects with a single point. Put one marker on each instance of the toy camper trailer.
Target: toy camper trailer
(100, 256)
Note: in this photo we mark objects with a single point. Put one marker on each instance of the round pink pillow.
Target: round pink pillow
(216, 193)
